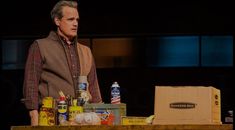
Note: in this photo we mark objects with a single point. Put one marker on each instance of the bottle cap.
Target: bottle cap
(62, 98)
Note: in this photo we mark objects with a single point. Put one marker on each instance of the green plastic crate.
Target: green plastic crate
(104, 110)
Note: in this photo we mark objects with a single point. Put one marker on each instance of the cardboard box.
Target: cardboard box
(187, 105)
(110, 114)
(134, 120)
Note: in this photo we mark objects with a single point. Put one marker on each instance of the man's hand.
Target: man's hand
(34, 117)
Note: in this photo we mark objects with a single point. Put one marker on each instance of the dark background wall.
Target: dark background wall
(31, 19)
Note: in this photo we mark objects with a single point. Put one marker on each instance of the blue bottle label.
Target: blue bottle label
(82, 86)
(115, 94)
(115, 91)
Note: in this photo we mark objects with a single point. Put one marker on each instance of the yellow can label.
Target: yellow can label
(62, 108)
(73, 111)
(46, 117)
(47, 102)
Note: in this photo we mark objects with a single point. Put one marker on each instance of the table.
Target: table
(128, 127)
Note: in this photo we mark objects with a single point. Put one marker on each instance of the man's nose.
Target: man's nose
(75, 23)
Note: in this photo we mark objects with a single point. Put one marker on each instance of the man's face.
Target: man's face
(68, 24)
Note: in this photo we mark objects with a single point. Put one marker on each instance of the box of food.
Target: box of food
(110, 114)
(187, 105)
(134, 120)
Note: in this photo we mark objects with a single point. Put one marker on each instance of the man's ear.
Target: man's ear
(57, 21)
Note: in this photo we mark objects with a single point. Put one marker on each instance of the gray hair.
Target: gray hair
(56, 12)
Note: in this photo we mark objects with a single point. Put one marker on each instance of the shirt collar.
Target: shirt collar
(65, 41)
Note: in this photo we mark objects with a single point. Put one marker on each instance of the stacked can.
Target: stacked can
(115, 93)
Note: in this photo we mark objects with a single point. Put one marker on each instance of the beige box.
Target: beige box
(187, 105)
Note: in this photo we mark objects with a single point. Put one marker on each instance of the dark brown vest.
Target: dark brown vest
(56, 75)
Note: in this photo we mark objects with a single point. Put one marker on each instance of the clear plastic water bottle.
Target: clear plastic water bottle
(115, 93)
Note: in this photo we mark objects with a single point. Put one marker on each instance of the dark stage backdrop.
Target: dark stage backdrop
(122, 17)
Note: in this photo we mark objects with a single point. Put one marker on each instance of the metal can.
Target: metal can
(115, 93)
(82, 93)
(47, 112)
(62, 116)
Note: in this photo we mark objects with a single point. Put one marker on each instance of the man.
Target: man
(55, 63)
